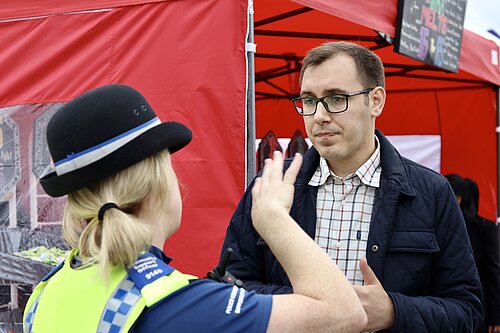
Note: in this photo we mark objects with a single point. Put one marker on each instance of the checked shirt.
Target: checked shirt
(344, 209)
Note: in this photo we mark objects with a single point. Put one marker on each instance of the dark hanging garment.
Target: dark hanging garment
(298, 144)
(267, 146)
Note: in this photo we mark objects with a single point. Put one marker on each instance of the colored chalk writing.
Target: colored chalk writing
(431, 31)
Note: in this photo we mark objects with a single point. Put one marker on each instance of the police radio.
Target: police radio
(220, 274)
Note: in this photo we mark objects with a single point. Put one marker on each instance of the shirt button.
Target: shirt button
(344, 202)
(339, 244)
(375, 248)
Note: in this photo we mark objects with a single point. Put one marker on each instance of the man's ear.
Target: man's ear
(459, 198)
(377, 101)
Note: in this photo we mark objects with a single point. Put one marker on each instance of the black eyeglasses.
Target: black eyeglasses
(336, 103)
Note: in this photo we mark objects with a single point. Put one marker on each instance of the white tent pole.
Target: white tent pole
(250, 135)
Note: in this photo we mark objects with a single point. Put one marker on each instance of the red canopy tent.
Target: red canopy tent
(422, 100)
(189, 59)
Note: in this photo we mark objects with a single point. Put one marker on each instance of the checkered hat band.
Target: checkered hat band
(119, 307)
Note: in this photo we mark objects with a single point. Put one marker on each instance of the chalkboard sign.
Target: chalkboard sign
(431, 31)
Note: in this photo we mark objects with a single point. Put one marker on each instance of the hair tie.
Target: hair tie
(104, 208)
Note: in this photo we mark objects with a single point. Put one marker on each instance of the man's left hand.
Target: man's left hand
(376, 302)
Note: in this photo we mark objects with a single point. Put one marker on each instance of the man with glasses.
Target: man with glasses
(392, 226)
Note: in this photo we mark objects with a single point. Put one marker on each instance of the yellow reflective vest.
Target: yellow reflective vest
(79, 300)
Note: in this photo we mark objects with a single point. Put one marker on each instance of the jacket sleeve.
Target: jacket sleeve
(453, 302)
(491, 267)
(247, 262)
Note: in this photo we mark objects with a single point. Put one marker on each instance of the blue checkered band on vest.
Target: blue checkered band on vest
(121, 302)
(118, 307)
(30, 317)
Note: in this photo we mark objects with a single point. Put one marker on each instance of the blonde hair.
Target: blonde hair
(122, 235)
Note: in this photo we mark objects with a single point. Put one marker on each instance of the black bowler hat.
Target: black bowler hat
(103, 131)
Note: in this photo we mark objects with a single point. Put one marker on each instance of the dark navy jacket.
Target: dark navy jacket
(417, 246)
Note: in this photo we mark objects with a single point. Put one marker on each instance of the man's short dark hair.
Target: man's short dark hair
(368, 64)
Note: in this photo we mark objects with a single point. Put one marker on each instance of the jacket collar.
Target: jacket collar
(309, 165)
(393, 168)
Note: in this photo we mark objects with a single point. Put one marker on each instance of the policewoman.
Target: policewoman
(112, 158)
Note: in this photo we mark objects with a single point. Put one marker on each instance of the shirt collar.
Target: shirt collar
(368, 173)
(321, 174)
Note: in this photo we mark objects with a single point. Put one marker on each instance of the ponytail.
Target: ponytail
(121, 235)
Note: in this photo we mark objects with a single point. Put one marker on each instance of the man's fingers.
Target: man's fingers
(292, 172)
(266, 172)
(256, 186)
(368, 274)
(277, 166)
(273, 169)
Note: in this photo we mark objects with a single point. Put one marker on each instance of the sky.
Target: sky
(481, 15)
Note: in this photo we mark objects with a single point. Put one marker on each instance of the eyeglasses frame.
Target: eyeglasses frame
(325, 105)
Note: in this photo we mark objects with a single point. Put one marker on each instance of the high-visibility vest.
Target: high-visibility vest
(79, 300)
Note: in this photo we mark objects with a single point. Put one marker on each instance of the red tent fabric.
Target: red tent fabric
(460, 107)
(475, 55)
(187, 57)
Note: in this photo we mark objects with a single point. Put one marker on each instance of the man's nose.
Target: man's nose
(321, 114)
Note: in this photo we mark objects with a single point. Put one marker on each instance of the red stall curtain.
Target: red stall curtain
(187, 57)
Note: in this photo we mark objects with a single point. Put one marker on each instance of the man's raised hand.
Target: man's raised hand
(273, 191)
